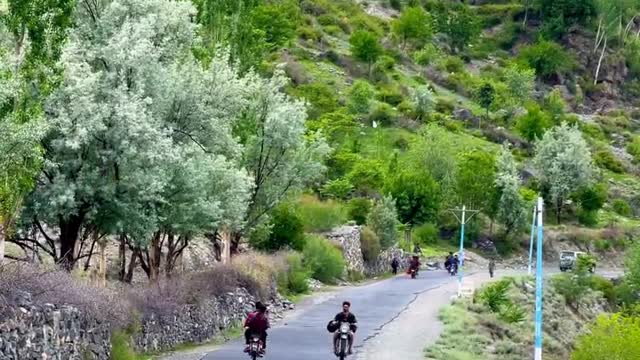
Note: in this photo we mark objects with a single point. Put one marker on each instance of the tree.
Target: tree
(278, 151)
(560, 15)
(563, 160)
(417, 196)
(534, 123)
(520, 81)
(485, 95)
(476, 179)
(382, 220)
(287, 230)
(365, 47)
(547, 58)
(424, 102)
(460, 25)
(611, 336)
(126, 153)
(591, 200)
(413, 24)
(360, 96)
(512, 207)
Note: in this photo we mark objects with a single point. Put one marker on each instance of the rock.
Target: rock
(464, 115)
(348, 237)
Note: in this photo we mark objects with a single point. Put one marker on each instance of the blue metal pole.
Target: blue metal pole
(533, 231)
(538, 328)
(461, 252)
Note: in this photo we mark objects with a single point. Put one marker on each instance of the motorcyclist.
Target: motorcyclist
(414, 264)
(345, 316)
(257, 322)
(455, 262)
(448, 261)
(394, 265)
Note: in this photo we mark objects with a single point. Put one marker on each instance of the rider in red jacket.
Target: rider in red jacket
(257, 322)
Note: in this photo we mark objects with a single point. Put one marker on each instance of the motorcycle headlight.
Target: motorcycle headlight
(344, 327)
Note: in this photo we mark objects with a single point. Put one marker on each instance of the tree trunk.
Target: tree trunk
(604, 48)
(69, 231)
(175, 249)
(122, 257)
(2, 241)
(235, 242)
(132, 265)
(558, 210)
(102, 265)
(87, 263)
(155, 253)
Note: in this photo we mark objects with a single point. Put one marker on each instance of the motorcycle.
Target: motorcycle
(453, 270)
(255, 347)
(342, 343)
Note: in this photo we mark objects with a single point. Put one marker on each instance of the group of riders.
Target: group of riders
(257, 322)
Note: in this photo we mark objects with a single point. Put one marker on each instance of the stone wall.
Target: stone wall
(52, 333)
(348, 237)
(63, 333)
(383, 262)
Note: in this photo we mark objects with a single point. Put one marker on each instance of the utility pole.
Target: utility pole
(538, 328)
(533, 231)
(463, 220)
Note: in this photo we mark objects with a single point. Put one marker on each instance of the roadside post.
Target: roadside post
(533, 232)
(463, 220)
(538, 316)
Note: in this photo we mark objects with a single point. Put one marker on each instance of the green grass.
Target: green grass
(439, 250)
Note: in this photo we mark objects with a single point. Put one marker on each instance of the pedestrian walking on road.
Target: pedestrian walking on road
(394, 265)
(492, 267)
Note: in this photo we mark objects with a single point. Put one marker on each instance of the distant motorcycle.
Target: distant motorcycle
(342, 346)
(413, 272)
(255, 347)
(453, 270)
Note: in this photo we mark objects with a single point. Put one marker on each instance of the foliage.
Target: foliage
(337, 189)
(383, 114)
(622, 207)
(512, 314)
(612, 336)
(414, 24)
(365, 46)
(323, 259)
(426, 234)
(120, 347)
(426, 55)
(485, 96)
(370, 244)
(605, 159)
(320, 97)
(460, 24)
(476, 180)
(360, 96)
(564, 162)
(594, 197)
(417, 196)
(424, 102)
(287, 230)
(555, 105)
(534, 123)
(520, 80)
(512, 207)
(560, 15)
(295, 279)
(359, 209)
(366, 176)
(632, 268)
(572, 287)
(546, 58)
(382, 220)
(633, 148)
(319, 216)
(495, 295)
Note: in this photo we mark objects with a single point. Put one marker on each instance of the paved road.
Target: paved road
(374, 305)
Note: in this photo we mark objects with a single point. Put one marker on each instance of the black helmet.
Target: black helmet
(260, 306)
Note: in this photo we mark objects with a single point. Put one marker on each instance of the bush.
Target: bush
(633, 148)
(359, 209)
(287, 230)
(426, 55)
(390, 95)
(386, 63)
(546, 58)
(588, 217)
(323, 259)
(611, 337)
(383, 114)
(622, 207)
(512, 314)
(605, 159)
(451, 64)
(534, 123)
(426, 234)
(494, 296)
(383, 219)
(370, 244)
(337, 189)
(319, 216)
(605, 286)
(120, 347)
(295, 280)
(360, 96)
(571, 287)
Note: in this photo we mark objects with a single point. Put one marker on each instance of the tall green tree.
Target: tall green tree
(414, 24)
(485, 95)
(475, 180)
(511, 206)
(564, 162)
(382, 219)
(365, 46)
(417, 196)
(534, 123)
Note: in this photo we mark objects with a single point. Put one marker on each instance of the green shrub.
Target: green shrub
(605, 286)
(319, 216)
(571, 287)
(494, 296)
(370, 244)
(633, 148)
(360, 96)
(359, 209)
(546, 58)
(426, 55)
(295, 280)
(605, 159)
(337, 189)
(323, 259)
(321, 97)
(610, 337)
(451, 64)
(309, 33)
(120, 347)
(390, 95)
(426, 234)
(512, 313)
(622, 207)
(534, 123)
(588, 217)
(287, 231)
(383, 114)
(386, 63)
(383, 219)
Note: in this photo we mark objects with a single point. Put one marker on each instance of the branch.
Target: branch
(50, 241)
(206, 151)
(18, 242)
